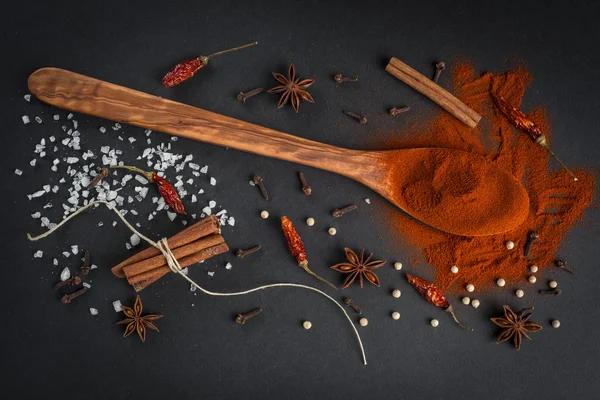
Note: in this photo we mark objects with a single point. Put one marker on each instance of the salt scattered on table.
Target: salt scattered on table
(27, 97)
(36, 215)
(75, 249)
(185, 271)
(56, 117)
(368, 201)
(171, 215)
(207, 210)
(212, 204)
(141, 179)
(204, 169)
(65, 274)
(134, 239)
(87, 285)
(70, 116)
(213, 181)
(25, 119)
(38, 120)
(228, 266)
(38, 254)
(18, 172)
(231, 221)
(55, 261)
(192, 288)
(210, 273)
(93, 311)
(117, 305)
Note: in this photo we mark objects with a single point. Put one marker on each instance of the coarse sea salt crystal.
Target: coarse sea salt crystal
(18, 172)
(66, 254)
(127, 246)
(174, 138)
(27, 97)
(368, 201)
(194, 199)
(194, 166)
(56, 117)
(190, 181)
(38, 193)
(117, 305)
(207, 210)
(55, 261)
(147, 132)
(185, 271)
(102, 129)
(70, 116)
(65, 274)
(75, 249)
(210, 273)
(72, 160)
(48, 205)
(222, 212)
(131, 139)
(141, 179)
(25, 119)
(171, 215)
(204, 169)
(38, 254)
(38, 120)
(212, 204)
(36, 215)
(134, 239)
(228, 266)
(213, 181)
(87, 285)
(93, 311)
(231, 221)
(192, 288)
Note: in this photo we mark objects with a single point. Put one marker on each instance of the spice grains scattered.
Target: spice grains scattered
(556, 202)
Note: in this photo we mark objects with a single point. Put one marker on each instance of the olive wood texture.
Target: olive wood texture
(79, 93)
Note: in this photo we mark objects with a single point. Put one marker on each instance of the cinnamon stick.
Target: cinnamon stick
(196, 231)
(180, 252)
(142, 280)
(432, 90)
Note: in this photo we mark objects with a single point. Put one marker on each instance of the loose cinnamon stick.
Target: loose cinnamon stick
(196, 231)
(142, 280)
(432, 90)
(179, 253)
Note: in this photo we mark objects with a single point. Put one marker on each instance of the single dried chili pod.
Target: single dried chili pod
(165, 189)
(185, 70)
(296, 246)
(433, 295)
(520, 120)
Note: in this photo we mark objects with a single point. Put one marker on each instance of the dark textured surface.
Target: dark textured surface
(50, 350)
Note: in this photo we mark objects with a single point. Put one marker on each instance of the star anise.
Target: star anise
(292, 89)
(137, 322)
(516, 325)
(358, 267)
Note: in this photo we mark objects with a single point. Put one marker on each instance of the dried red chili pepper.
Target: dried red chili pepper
(187, 69)
(433, 295)
(296, 246)
(520, 120)
(165, 189)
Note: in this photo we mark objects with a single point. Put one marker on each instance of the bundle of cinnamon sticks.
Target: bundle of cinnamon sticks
(196, 243)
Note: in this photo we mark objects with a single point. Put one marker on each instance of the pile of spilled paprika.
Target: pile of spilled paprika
(556, 200)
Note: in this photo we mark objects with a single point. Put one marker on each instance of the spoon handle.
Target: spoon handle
(79, 93)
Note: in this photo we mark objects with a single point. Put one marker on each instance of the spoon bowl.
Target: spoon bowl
(433, 185)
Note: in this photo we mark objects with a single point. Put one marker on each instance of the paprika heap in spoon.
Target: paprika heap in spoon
(459, 181)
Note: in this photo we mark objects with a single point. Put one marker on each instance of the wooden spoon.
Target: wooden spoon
(387, 172)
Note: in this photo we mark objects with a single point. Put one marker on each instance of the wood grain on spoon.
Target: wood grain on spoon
(382, 171)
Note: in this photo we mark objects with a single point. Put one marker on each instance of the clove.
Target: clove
(243, 96)
(439, 67)
(532, 237)
(554, 292)
(101, 174)
(338, 212)
(348, 301)
(339, 78)
(395, 111)
(85, 268)
(67, 298)
(243, 253)
(74, 281)
(362, 119)
(306, 189)
(261, 185)
(563, 265)
(242, 318)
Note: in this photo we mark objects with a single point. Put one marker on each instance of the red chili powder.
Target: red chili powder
(556, 201)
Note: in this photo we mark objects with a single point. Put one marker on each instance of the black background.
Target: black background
(51, 350)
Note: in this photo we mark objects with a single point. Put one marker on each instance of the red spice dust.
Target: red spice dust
(556, 201)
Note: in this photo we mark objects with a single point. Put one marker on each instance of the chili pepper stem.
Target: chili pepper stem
(305, 267)
(542, 142)
(147, 174)
(451, 311)
(229, 50)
